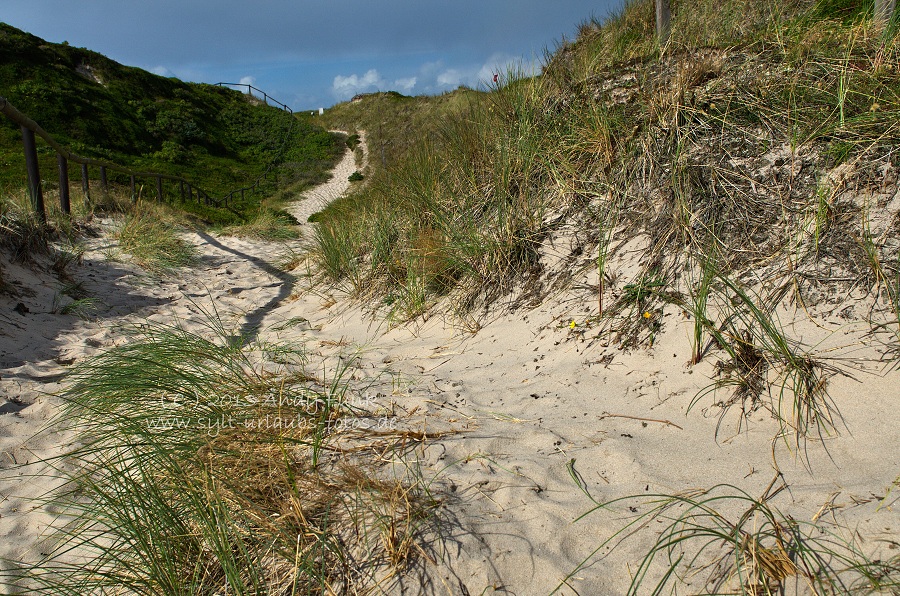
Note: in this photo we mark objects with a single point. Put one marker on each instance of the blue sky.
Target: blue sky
(314, 53)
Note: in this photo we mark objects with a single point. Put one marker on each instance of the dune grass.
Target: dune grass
(723, 540)
(465, 205)
(204, 466)
(150, 234)
(26, 236)
(714, 152)
(733, 158)
(267, 224)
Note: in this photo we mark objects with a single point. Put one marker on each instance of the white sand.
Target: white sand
(536, 401)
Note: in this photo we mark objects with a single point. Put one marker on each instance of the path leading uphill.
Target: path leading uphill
(316, 198)
(550, 421)
(236, 278)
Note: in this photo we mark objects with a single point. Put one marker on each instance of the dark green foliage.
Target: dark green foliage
(218, 138)
(847, 10)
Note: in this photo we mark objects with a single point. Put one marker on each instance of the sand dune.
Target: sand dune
(550, 417)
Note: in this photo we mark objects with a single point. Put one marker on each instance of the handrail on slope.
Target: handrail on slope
(31, 129)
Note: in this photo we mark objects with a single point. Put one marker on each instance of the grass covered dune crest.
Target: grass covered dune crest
(681, 145)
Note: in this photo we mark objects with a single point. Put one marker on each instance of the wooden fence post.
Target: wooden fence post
(159, 196)
(64, 203)
(663, 21)
(190, 192)
(34, 174)
(85, 183)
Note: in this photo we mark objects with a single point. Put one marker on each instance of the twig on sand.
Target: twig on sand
(669, 422)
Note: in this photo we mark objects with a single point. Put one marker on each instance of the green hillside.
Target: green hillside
(219, 138)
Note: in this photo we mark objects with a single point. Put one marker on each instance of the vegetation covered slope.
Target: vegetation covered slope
(727, 145)
(217, 137)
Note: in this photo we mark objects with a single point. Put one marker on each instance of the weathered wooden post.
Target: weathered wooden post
(190, 192)
(663, 21)
(104, 182)
(884, 10)
(159, 189)
(85, 183)
(64, 203)
(181, 188)
(34, 174)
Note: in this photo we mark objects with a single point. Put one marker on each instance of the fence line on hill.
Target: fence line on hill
(31, 129)
(266, 97)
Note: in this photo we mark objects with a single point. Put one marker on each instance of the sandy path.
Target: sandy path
(316, 198)
(539, 407)
(234, 277)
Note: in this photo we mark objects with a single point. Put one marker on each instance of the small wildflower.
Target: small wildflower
(572, 324)
(875, 107)
(648, 315)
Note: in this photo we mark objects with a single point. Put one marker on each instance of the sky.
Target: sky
(315, 53)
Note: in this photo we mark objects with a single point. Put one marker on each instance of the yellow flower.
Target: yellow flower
(648, 315)
(573, 324)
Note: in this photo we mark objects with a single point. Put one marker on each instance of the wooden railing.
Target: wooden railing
(31, 130)
(265, 97)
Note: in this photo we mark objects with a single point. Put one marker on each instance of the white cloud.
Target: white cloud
(476, 76)
(450, 78)
(434, 77)
(247, 80)
(162, 71)
(347, 87)
(405, 85)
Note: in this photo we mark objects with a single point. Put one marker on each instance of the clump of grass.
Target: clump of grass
(697, 301)
(267, 224)
(150, 235)
(82, 308)
(204, 466)
(22, 232)
(52, 240)
(82, 305)
(756, 343)
(64, 256)
(336, 249)
(733, 543)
